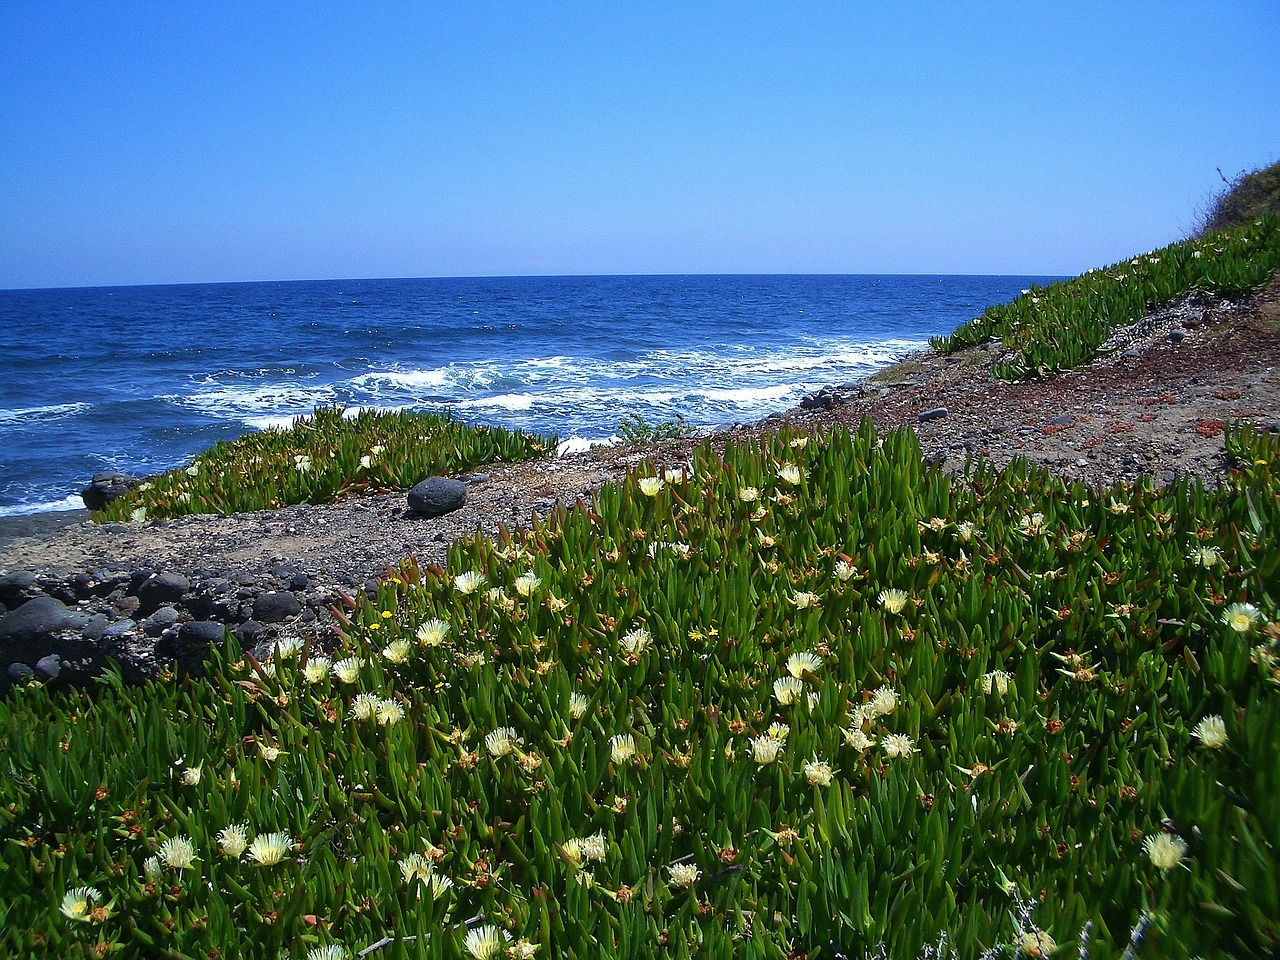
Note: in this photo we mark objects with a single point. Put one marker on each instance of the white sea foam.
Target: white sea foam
(580, 444)
(289, 398)
(69, 502)
(505, 401)
(50, 412)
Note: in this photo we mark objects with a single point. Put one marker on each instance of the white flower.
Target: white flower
(151, 869)
(577, 705)
(749, 494)
(594, 847)
(178, 853)
(684, 874)
(486, 942)
(997, 680)
(397, 651)
(1241, 617)
(798, 664)
(1205, 556)
(622, 748)
(365, 706)
(469, 582)
(269, 849)
(818, 773)
(287, 647)
(636, 642)
(651, 486)
(1165, 850)
(892, 600)
(790, 474)
(440, 885)
(334, 951)
(855, 738)
(302, 462)
(778, 731)
(76, 904)
(347, 670)
(502, 742)
(845, 571)
(678, 475)
(1212, 732)
(898, 745)
(267, 751)
(193, 470)
(765, 749)
(803, 600)
(799, 443)
(883, 701)
(1031, 525)
(389, 712)
(317, 669)
(433, 633)
(965, 530)
(233, 839)
(522, 949)
(787, 690)
(190, 776)
(526, 584)
(415, 867)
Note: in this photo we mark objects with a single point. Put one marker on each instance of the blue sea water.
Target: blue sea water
(141, 378)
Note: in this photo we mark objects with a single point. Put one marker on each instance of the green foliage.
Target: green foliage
(1248, 197)
(1063, 325)
(320, 457)
(634, 428)
(589, 742)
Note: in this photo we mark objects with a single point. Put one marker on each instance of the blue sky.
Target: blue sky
(181, 142)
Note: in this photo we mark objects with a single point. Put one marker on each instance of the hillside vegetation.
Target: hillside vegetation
(1249, 197)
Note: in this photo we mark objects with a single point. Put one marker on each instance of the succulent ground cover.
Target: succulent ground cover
(320, 457)
(809, 696)
(1057, 327)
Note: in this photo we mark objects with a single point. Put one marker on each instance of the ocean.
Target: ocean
(139, 379)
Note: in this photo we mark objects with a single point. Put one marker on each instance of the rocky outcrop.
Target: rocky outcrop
(106, 486)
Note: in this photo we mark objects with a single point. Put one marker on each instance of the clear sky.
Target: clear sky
(179, 141)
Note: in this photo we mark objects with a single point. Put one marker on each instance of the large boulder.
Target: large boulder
(162, 588)
(436, 496)
(106, 486)
(276, 607)
(39, 627)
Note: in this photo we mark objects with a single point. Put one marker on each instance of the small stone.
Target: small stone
(18, 586)
(1131, 354)
(162, 588)
(19, 673)
(48, 668)
(436, 496)
(275, 607)
(937, 413)
(249, 631)
(95, 628)
(1065, 420)
(1177, 335)
(160, 621)
(121, 628)
(299, 581)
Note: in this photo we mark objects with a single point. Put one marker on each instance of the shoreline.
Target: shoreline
(149, 593)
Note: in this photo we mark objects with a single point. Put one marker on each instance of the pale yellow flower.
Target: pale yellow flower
(347, 670)
(469, 582)
(787, 690)
(317, 669)
(78, 903)
(1165, 850)
(622, 748)
(365, 706)
(1212, 732)
(845, 571)
(233, 840)
(684, 874)
(749, 494)
(898, 745)
(765, 749)
(1241, 617)
(798, 664)
(803, 600)
(819, 773)
(389, 712)
(636, 642)
(651, 486)
(790, 474)
(269, 849)
(486, 942)
(433, 633)
(892, 600)
(397, 651)
(502, 742)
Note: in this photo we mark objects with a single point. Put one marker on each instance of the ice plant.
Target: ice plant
(334, 951)
(844, 571)
(892, 600)
(389, 712)
(787, 690)
(486, 942)
(800, 664)
(1211, 732)
(502, 742)
(347, 670)
(233, 839)
(469, 582)
(818, 773)
(433, 633)
(577, 705)
(78, 902)
(415, 867)
(748, 494)
(365, 706)
(397, 651)
(790, 474)
(269, 849)
(622, 748)
(1165, 850)
(898, 745)
(803, 600)
(526, 584)
(636, 641)
(883, 701)
(858, 740)
(684, 874)
(1205, 556)
(317, 669)
(651, 486)
(765, 749)
(178, 853)
(1241, 617)
(997, 680)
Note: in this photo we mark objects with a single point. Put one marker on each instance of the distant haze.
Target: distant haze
(163, 143)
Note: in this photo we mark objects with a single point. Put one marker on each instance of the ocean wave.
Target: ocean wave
(69, 502)
(52, 411)
(271, 400)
